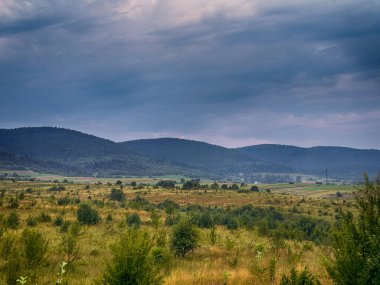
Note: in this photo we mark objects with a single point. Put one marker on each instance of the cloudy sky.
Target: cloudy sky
(229, 72)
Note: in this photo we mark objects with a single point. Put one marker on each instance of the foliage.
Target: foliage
(13, 220)
(63, 201)
(31, 221)
(162, 258)
(302, 278)
(191, 184)
(44, 218)
(185, 238)
(35, 248)
(117, 195)
(70, 244)
(356, 242)
(133, 261)
(168, 184)
(255, 188)
(87, 215)
(134, 220)
(56, 188)
(58, 221)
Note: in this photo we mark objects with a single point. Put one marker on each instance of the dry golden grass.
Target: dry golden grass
(209, 264)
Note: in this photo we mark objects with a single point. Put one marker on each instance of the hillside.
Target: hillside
(340, 162)
(69, 152)
(200, 155)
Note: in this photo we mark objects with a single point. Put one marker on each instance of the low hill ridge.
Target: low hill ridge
(70, 152)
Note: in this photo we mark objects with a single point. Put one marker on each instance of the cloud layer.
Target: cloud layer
(228, 72)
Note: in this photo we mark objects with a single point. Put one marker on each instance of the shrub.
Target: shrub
(13, 203)
(203, 219)
(162, 258)
(117, 195)
(87, 215)
(57, 188)
(58, 221)
(302, 278)
(255, 188)
(65, 226)
(31, 221)
(109, 218)
(167, 184)
(35, 248)
(13, 267)
(44, 218)
(234, 187)
(63, 201)
(232, 224)
(185, 238)
(70, 244)
(356, 242)
(13, 221)
(7, 245)
(134, 220)
(133, 261)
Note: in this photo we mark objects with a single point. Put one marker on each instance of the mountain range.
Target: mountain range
(72, 153)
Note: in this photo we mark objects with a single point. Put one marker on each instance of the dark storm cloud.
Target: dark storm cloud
(297, 73)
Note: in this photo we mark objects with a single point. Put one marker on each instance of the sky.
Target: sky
(228, 72)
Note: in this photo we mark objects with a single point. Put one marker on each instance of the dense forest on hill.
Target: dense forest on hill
(69, 152)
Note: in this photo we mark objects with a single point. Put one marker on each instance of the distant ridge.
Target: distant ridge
(69, 152)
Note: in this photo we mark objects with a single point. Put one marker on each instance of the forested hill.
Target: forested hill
(340, 162)
(68, 152)
(55, 143)
(200, 155)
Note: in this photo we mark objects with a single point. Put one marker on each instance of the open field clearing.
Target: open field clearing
(238, 242)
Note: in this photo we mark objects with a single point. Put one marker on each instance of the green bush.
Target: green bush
(117, 195)
(13, 221)
(185, 238)
(7, 245)
(134, 220)
(35, 248)
(70, 245)
(162, 258)
(64, 201)
(44, 218)
(31, 221)
(13, 203)
(58, 221)
(356, 242)
(13, 267)
(302, 278)
(133, 261)
(255, 188)
(87, 215)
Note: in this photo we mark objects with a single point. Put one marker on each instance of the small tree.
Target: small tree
(185, 238)
(117, 195)
(87, 215)
(302, 278)
(133, 261)
(35, 248)
(70, 244)
(134, 220)
(255, 188)
(13, 221)
(356, 242)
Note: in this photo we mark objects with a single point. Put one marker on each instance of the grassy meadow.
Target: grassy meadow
(242, 245)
